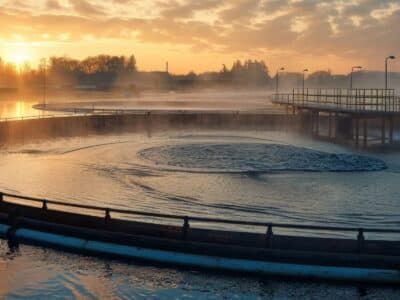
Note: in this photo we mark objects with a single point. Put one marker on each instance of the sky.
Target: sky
(201, 35)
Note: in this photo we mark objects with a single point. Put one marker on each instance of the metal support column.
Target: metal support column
(336, 125)
(365, 132)
(357, 129)
(391, 130)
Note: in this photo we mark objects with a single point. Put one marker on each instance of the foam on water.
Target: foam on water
(257, 157)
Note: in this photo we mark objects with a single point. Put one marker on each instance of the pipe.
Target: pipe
(3, 230)
(219, 263)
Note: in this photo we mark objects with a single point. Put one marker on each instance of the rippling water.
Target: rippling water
(250, 175)
(37, 273)
(213, 174)
(257, 158)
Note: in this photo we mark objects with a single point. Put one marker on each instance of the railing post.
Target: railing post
(360, 239)
(385, 100)
(44, 205)
(269, 235)
(186, 227)
(364, 100)
(13, 220)
(107, 216)
(293, 101)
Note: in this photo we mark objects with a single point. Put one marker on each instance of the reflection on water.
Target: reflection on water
(18, 109)
(210, 100)
(38, 273)
(108, 170)
(20, 105)
(69, 169)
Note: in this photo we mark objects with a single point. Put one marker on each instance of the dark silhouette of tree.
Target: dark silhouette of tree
(320, 78)
(101, 71)
(104, 72)
(251, 73)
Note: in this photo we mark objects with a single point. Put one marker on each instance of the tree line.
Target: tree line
(104, 72)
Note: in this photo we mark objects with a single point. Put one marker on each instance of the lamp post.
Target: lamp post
(43, 65)
(304, 72)
(277, 79)
(386, 68)
(351, 75)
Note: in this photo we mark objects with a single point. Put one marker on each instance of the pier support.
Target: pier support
(391, 130)
(365, 132)
(312, 123)
(357, 129)
(352, 116)
(336, 120)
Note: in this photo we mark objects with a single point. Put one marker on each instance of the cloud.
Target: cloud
(85, 8)
(53, 5)
(240, 10)
(175, 10)
(357, 29)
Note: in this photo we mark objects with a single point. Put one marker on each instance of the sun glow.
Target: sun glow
(18, 56)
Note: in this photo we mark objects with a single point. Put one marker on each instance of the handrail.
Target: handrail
(186, 219)
(72, 112)
(359, 100)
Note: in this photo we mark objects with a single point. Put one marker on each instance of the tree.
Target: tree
(131, 64)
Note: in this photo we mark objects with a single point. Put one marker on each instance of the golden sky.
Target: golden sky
(202, 35)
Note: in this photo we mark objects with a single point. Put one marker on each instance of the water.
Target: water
(256, 157)
(215, 100)
(250, 175)
(18, 109)
(37, 273)
(263, 176)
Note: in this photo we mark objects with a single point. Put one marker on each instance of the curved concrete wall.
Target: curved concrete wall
(27, 130)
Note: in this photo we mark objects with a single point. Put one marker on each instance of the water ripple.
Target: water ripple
(252, 158)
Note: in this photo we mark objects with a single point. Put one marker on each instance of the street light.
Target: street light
(43, 66)
(304, 71)
(351, 75)
(386, 68)
(277, 78)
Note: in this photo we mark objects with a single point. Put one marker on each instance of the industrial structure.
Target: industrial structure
(360, 115)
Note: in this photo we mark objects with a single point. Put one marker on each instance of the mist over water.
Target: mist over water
(238, 175)
(259, 175)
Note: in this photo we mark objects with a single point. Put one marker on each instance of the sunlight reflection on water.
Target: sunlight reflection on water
(17, 109)
(38, 273)
(107, 170)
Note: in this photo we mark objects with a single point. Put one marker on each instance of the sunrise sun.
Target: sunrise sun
(18, 56)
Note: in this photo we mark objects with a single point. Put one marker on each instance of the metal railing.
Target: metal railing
(70, 112)
(128, 111)
(186, 219)
(62, 113)
(359, 100)
(78, 112)
(33, 117)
